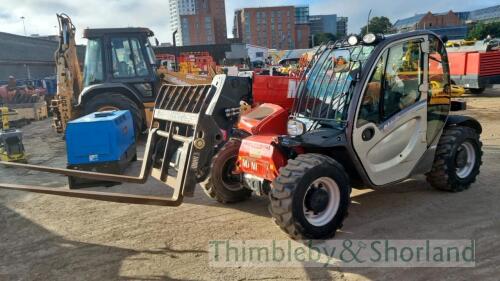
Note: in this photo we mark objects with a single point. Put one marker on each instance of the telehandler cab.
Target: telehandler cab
(372, 110)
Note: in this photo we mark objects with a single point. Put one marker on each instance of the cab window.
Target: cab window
(128, 60)
(394, 84)
(93, 71)
(139, 61)
(438, 97)
(370, 106)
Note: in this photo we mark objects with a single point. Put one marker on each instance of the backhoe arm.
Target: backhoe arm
(69, 76)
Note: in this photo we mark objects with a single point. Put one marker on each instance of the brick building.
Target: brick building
(281, 27)
(198, 22)
(428, 21)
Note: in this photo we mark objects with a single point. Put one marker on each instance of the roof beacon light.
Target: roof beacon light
(353, 40)
(369, 38)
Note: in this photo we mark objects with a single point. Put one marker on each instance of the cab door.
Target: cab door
(389, 134)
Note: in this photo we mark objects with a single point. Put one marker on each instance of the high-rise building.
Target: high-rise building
(237, 27)
(198, 22)
(282, 27)
(323, 24)
(342, 26)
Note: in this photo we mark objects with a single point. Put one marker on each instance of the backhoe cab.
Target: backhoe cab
(120, 73)
(373, 111)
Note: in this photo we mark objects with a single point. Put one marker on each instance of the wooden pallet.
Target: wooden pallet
(30, 111)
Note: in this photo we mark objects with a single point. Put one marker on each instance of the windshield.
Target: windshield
(325, 92)
(92, 70)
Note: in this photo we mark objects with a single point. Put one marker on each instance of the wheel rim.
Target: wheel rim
(317, 211)
(465, 159)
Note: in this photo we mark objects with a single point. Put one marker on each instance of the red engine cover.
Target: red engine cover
(259, 157)
(265, 119)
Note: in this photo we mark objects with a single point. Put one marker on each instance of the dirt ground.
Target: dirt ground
(45, 237)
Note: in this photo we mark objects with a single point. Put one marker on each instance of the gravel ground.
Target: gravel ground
(45, 237)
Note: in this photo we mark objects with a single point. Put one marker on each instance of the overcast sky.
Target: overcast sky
(40, 14)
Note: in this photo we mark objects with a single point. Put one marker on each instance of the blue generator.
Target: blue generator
(100, 142)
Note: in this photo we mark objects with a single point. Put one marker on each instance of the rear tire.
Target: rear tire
(310, 197)
(106, 101)
(220, 184)
(457, 161)
(477, 91)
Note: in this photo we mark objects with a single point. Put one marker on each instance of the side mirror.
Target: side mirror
(444, 38)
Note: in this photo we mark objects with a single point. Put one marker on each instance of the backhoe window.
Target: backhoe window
(92, 70)
(128, 61)
(140, 63)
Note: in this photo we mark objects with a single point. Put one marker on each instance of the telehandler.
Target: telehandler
(366, 113)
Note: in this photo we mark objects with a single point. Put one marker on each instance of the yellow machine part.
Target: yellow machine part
(148, 111)
(69, 76)
(20, 157)
(457, 91)
(5, 117)
(17, 157)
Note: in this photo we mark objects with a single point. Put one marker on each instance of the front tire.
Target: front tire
(310, 197)
(221, 184)
(457, 161)
(116, 101)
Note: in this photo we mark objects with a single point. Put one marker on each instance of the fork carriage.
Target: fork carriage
(188, 124)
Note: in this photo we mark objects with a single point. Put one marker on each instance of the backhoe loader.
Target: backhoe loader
(361, 117)
(119, 73)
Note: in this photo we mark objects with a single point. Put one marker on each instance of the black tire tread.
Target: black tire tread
(282, 192)
(441, 175)
(216, 191)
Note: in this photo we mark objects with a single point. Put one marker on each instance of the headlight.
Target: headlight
(369, 38)
(353, 40)
(295, 128)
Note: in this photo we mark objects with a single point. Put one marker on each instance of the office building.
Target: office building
(342, 26)
(323, 24)
(282, 27)
(198, 22)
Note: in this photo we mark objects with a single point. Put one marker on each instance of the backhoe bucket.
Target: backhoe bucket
(187, 127)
